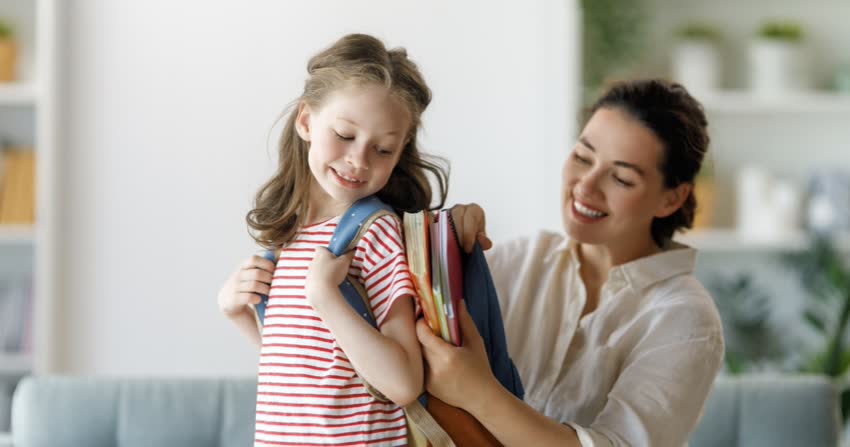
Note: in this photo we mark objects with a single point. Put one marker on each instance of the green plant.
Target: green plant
(781, 30)
(825, 274)
(751, 339)
(614, 33)
(697, 31)
(6, 31)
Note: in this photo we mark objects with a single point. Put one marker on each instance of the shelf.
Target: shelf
(740, 101)
(15, 363)
(16, 234)
(730, 241)
(17, 94)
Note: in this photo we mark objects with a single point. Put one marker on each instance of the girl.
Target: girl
(352, 134)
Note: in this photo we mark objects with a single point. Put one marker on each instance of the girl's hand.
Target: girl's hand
(457, 375)
(244, 286)
(326, 273)
(471, 226)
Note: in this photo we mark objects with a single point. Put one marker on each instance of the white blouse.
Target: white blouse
(634, 372)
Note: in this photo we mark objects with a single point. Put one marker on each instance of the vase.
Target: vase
(777, 67)
(696, 65)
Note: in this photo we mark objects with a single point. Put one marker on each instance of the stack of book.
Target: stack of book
(434, 256)
(17, 187)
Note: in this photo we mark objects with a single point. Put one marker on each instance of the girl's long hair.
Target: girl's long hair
(280, 205)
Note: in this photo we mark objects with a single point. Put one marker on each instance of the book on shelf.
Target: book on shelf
(15, 315)
(17, 186)
(434, 256)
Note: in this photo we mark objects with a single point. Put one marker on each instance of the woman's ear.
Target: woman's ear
(302, 121)
(673, 199)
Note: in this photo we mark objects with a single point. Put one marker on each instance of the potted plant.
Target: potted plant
(776, 59)
(7, 52)
(695, 60)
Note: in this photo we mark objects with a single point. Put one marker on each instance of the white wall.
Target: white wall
(167, 118)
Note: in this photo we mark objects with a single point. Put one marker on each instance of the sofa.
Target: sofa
(109, 412)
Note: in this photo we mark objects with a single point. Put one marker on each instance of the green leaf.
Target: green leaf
(735, 364)
(845, 404)
(815, 321)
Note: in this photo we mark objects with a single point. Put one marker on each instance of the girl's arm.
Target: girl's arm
(389, 360)
(461, 376)
(241, 290)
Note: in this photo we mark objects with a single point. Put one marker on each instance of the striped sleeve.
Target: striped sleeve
(381, 265)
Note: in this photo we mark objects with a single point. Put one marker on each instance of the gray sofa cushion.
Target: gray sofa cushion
(98, 412)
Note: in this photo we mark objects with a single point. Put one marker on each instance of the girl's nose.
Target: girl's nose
(358, 157)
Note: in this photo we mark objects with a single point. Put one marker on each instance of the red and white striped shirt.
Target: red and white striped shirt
(308, 393)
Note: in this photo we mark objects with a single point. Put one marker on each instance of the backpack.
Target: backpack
(430, 421)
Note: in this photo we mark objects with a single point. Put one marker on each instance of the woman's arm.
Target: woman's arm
(389, 360)
(461, 376)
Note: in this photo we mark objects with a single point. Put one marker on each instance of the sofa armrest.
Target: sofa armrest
(770, 410)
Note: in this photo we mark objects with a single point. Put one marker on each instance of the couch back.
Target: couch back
(769, 411)
(99, 412)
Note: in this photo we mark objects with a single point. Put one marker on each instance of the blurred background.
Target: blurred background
(135, 134)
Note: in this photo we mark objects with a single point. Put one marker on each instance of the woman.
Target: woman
(616, 341)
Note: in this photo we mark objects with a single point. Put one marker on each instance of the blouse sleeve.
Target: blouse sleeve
(380, 264)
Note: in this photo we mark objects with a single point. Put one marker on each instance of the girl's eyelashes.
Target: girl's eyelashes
(581, 159)
(380, 150)
(343, 137)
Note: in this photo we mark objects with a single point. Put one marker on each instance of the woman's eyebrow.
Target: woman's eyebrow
(624, 164)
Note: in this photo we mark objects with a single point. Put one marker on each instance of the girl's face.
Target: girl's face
(612, 184)
(356, 138)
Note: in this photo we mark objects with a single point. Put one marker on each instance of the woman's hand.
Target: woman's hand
(457, 375)
(471, 226)
(326, 273)
(244, 286)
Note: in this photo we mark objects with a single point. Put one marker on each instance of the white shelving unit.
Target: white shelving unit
(731, 241)
(28, 108)
(740, 101)
(16, 364)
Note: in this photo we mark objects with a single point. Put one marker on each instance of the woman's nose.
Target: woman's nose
(588, 184)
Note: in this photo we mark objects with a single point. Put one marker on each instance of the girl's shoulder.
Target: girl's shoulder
(383, 235)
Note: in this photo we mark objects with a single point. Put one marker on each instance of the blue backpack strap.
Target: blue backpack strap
(349, 230)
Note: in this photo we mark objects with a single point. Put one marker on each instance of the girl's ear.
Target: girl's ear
(673, 200)
(302, 121)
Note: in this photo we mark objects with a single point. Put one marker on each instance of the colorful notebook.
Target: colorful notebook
(418, 248)
(451, 273)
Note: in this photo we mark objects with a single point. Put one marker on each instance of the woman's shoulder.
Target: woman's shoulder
(542, 244)
(684, 301)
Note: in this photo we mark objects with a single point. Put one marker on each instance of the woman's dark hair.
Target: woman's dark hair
(678, 121)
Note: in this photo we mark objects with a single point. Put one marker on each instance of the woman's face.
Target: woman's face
(612, 183)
